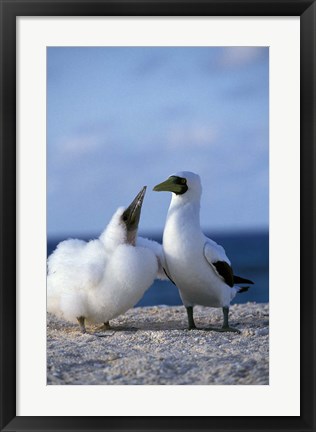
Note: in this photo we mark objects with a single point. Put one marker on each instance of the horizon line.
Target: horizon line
(156, 233)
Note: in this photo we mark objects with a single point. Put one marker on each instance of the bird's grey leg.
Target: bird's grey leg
(104, 327)
(81, 323)
(225, 327)
(190, 317)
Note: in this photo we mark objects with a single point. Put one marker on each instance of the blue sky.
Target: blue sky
(119, 118)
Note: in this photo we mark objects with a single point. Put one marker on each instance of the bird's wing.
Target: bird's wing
(215, 255)
(158, 251)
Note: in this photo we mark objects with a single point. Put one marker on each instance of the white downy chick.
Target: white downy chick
(103, 278)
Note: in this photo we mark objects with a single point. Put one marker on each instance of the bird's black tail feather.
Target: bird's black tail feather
(241, 280)
(244, 289)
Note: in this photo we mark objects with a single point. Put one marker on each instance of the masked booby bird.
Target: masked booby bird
(197, 265)
(103, 278)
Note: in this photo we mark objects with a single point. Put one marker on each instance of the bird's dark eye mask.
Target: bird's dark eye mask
(182, 182)
(179, 180)
(175, 184)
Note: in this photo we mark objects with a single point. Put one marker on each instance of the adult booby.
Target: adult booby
(196, 264)
(103, 278)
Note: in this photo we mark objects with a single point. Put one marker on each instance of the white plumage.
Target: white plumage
(156, 248)
(101, 279)
(196, 264)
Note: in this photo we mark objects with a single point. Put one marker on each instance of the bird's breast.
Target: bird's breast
(183, 250)
(188, 268)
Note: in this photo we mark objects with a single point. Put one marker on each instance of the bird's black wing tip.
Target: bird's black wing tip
(241, 280)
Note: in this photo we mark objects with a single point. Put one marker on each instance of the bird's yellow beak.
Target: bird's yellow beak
(174, 184)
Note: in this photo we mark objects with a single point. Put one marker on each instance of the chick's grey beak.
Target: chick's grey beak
(131, 215)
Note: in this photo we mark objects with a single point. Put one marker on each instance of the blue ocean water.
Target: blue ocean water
(247, 251)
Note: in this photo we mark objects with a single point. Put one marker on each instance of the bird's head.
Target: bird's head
(129, 218)
(184, 184)
(123, 225)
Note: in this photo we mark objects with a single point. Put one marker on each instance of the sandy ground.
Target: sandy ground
(151, 345)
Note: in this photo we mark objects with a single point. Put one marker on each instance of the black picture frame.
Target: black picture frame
(10, 9)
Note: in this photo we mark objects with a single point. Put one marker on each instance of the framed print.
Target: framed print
(100, 99)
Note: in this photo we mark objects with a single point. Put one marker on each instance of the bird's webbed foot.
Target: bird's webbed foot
(106, 326)
(103, 331)
(226, 329)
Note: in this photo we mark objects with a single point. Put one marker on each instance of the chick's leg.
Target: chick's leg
(81, 324)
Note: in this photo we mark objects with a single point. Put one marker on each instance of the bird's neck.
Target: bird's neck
(112, 237)
(184, 214)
